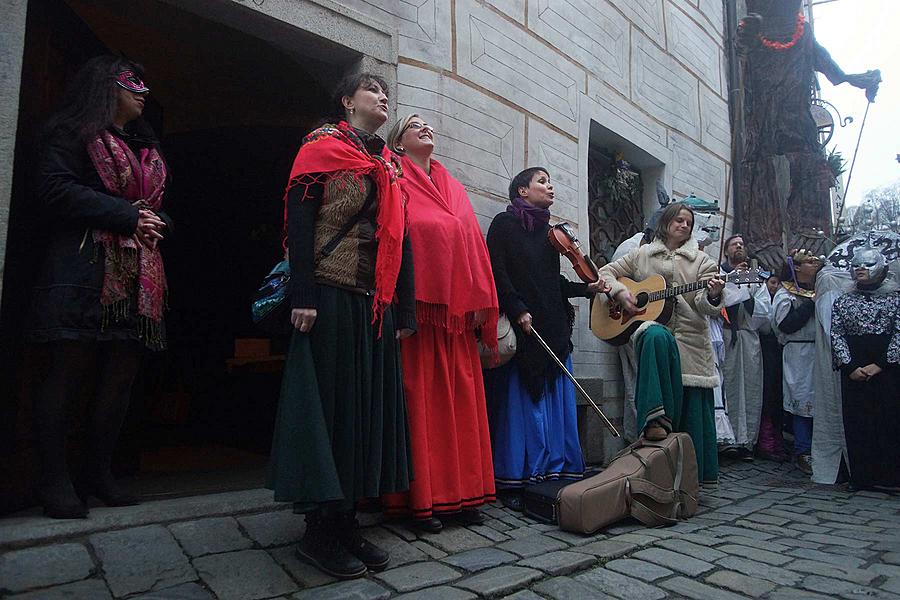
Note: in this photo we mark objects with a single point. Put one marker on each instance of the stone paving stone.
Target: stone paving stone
(852, 529)
(414, 577)
(795, 594)
(533, 545)
(401, 551)
(480, 559)
(521, 532)
(428, 549)
(763, 571)
(693, 550)
(797, 543)
(401, 529)
(761, 517)
(89, 589)
(559, 563)
(442, 592)
(844, 589)
(208, 536)
(456, 539)
(607, 549)
(887, 546)
(724, 530)
(244, 575)
(792, 516)
(641, 539)
(619, 585)
(701, 539)
(835, 540)
(515, 522)
(299, 569)
(694, 589)
(624, 527)
(678, 562)
(886, 570)
(357, 589)
(864, 553)
(498, 525)
(840, 518)
(808, 528)
(274, 529)
(735, 509)
(500, 580)
(522, 595)
(891, 557)
(638, 569)
(575, 539)
(185, 591)
(774, 530)
(740, 583)
(892, 585)
(490, 533)
(566, 588)
(842, 560)
(852, 574)
(22, 570)
(756, 554)
(141, 559)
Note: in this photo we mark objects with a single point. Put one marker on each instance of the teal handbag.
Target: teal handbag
(270, 307)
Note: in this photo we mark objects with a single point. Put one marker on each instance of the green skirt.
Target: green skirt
(341, 432)
(659, 395)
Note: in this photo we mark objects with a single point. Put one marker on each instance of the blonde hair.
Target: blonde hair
(397, 131)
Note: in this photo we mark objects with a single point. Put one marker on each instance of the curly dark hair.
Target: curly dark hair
(90, 101)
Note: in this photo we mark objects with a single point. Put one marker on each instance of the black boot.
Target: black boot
(320, 547)
(348, 533)
(60, 500)
(104, 487)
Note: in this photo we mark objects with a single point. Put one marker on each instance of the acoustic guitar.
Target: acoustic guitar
(656, 301)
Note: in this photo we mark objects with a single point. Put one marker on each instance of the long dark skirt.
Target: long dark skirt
(341, 431)
(871, 413)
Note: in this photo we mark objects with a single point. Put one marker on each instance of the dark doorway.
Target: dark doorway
(230, 109)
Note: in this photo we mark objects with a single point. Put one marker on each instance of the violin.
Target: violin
(563, 239)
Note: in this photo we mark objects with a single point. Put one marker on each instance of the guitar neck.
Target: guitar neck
(671, 292)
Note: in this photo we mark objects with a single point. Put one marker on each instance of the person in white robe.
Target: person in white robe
(794, 319)
(743, 367)
(724, 433)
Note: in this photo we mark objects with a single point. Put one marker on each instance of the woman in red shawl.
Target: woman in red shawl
(99, 296)
(341, 433)
(455, 295)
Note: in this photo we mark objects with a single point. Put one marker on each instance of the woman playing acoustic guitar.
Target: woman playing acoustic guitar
(676, 371)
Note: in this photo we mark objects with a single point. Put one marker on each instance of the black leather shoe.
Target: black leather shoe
(320, 547)
(368, 553)
(105, 489)
(61, 502)
(512, 501)
(471, 516)
(428, 525)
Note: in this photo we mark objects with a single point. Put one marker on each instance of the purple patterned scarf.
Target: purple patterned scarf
(530, 216)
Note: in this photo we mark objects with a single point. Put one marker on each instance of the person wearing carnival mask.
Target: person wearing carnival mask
(455, 295)
(341, 431)
(98, 302)
(794, 320)
(865, 339)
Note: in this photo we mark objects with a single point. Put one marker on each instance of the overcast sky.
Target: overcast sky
(862, 35)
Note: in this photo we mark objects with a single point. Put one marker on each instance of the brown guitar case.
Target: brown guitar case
(654, 482)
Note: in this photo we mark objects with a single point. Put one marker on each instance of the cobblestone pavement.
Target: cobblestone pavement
(764, 532)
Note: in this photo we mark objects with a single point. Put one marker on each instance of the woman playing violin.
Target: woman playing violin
(531, 403)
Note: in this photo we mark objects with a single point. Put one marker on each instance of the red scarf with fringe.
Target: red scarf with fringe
(453, 272)
(140, 179)
(333, 149)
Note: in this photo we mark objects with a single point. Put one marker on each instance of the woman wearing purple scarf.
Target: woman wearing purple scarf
(531, 404)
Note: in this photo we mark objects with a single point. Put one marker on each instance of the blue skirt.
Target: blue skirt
(532, 441)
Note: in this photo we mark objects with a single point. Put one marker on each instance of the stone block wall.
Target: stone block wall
(514, 83)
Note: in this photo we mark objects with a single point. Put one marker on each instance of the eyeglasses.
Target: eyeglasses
(417, 125)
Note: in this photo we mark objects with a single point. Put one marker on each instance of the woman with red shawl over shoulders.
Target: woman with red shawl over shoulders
(341, 433)
(455, 295)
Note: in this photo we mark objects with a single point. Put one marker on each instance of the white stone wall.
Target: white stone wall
(513, 83)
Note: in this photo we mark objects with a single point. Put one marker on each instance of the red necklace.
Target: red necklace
(798, 33)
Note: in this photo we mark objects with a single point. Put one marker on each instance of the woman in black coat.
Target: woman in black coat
(100, 293)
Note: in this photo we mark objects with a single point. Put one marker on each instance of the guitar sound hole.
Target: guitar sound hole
(641, 299)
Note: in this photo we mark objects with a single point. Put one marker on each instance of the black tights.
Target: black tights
(116, 365)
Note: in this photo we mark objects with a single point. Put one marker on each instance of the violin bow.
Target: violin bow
(571, 377)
